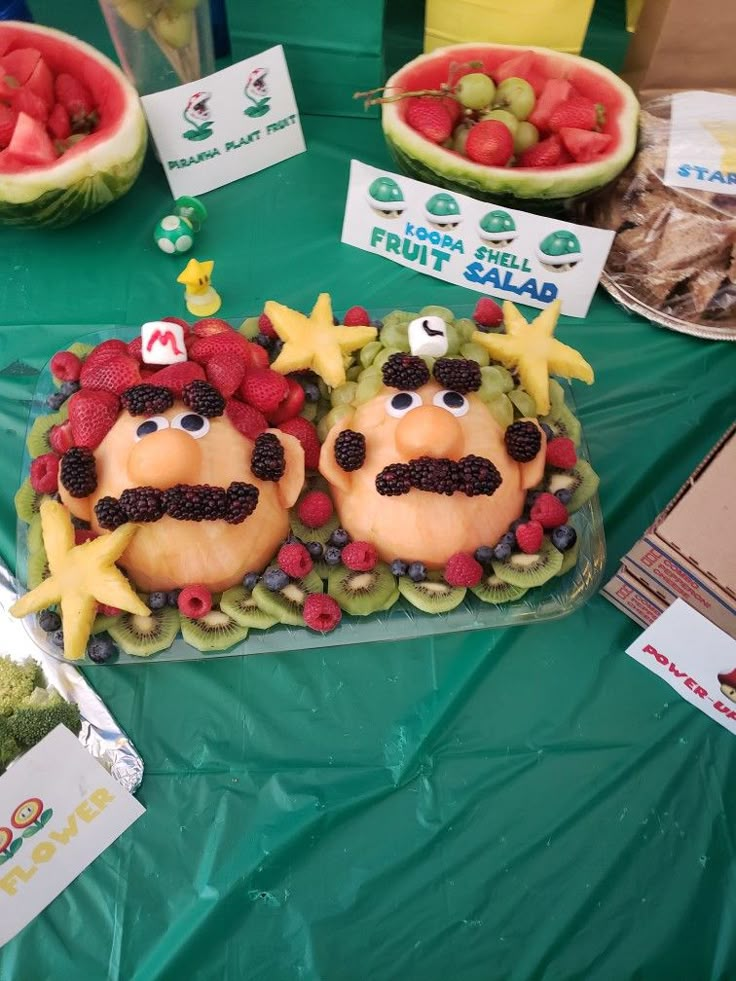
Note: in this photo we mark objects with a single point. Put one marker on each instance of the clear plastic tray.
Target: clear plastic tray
(555, 599)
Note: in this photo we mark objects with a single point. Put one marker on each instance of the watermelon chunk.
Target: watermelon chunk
(20, 64)
(41, 83)
(30, 143)
(556, 91)
(517, 67)
(583, 145)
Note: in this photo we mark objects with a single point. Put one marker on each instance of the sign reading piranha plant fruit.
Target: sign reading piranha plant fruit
(59, 810)
(495, 250)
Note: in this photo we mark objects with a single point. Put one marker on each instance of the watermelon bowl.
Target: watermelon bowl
(72, 131)
(599, 155)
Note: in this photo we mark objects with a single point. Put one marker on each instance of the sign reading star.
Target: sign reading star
(315, 342)
(81, 576)
(534, 352)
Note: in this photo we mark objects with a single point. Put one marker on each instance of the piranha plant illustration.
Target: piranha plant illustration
(29, 816)
(8, 847)
(199, 115)
(256, 91)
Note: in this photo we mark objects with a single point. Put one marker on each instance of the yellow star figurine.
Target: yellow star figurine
(314, 341)
(81, 577)
(534, 352)
(200, 296)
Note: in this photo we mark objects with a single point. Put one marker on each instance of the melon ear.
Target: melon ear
(80, 507)
(533, 471)
(291, 484)
(328, 466)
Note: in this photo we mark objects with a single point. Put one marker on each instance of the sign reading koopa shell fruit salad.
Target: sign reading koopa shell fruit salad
(509, 254)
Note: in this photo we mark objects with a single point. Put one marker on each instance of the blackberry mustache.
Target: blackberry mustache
(470, 475)
(184, 502)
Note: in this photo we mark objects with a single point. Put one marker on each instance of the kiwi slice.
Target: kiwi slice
(582, 480)
(556, 394)
(491, 589)
(102, 622)
(37, 440)
(433, 595)
(34, 539)
(215, 631)
(142, 636)
(38, 569)
(361, 593)
(569, 558)
(305, 534)
(239, 604)
(563, 423)
(27, 502)
(521, 569)
(287, 604)
(81, 350)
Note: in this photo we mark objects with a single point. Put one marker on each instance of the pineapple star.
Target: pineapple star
(81, 577)
(534, 352)
(314, 341)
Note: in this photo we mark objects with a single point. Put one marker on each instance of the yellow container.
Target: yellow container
(633, 11)
(558, 24)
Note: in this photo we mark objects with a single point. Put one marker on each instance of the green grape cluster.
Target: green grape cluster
(171, 20)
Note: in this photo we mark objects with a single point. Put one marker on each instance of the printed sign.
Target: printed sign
(702, 147)
(693, 656)
(509, 254)
(59, 810)
(227, 125)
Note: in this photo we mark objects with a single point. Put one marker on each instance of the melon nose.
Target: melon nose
(428, 431)
(164, 459)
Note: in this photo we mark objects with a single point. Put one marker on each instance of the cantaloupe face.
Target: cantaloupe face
(422, 526)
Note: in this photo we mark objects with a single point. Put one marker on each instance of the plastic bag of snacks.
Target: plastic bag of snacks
(674, 256)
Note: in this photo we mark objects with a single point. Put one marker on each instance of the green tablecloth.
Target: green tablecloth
(525, 803)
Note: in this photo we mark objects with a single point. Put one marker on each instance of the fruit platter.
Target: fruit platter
(337, 535)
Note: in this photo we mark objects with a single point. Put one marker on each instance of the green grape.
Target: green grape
(526, 135)
(353, 373)
(323, 429)
(497, 377)
(337, 414)
(476, 90)
(523, 402)
(249, 327)
(503, 116)
(429, 361)
(453, 340)
(476, 353)
(344, 394)
(134, 14)
(460, 137)
(384, 356)
(309, 411)
(368, 353)
(516, 95)
(433, 311)
(370, 384)
(556, 394)
(501, 409)
(174, 28)
(465, 328)
(182, 6)
(395, 335)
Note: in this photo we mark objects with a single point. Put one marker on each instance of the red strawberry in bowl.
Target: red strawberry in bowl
(577, 113)
(490, 142)
(430, 118)
(546, 153)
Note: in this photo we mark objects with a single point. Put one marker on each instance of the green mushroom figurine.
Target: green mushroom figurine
(175, 233)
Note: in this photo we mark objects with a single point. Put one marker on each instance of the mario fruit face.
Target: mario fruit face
(211, 503)
(422, 470)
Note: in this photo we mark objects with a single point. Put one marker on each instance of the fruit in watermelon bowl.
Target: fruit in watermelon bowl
(525, 126)
(72, 132)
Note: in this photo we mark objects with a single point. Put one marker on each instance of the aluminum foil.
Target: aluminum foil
(100, 733)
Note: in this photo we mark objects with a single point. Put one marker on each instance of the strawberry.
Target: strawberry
(291, 406)
(114, 374)
(230, 343)
(60, 438)
(454, 108)
(108, 611)
(58, 123)
(487, 313)
(74, 96)
(103, 351)
(529, 537)
(177, 376)
(555, 91)
(45, 473)
(247, 420)
(546, 153)
(561, 453)
(305, 432)
(177, 320)
(210, 325)
(357, 317)
(82, 535)
(135, 348)
(266, 327)
(8, 118)
(576, 112)
(65, 366)
(462, 570)
(31, 104)
(225, 373)
(264, 389)
(584, 146)
(549, 511)
(258, 356)
(490, 143)
(429, 118)
(91, 416)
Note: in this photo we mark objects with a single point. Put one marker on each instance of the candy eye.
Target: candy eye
(152, 425)
(454, 402)
(401, 403)
(192, 423)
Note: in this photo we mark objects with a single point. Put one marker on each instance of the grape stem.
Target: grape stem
(446, 91)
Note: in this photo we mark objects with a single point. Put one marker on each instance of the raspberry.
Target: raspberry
(549, 511)
(404, 371)
(241, 502)
(357, 317)
(45, 473)
(265, 326)
(561, 453)
(267, 460)
(194, 602)
(315, 509)
(459, 374)
(393, 480)
(523, 441)
(321, 612)
(78, 472)
(529, 537)
(295, 560)
(487, 313)
(65, 366)
(146, 400)
(142, 503)
(194, 502)
(359, 556)
(109, 513)
(203, 398)
(463, 570)
(305, 432)
(350, 450)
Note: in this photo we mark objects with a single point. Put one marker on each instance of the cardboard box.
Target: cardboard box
(633, 598)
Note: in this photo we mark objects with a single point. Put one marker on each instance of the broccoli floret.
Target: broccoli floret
(9, 748)
(17, 681)
(39, 714)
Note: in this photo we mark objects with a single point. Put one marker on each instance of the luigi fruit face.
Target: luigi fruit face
(385, 198)
(443, 212)
(422, 469)
(497, 228)
(559, 251)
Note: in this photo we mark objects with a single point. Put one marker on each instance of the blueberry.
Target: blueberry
(250, 581)
(564, 537)
(172, 597)
(501, 551)
(49, 621)
(275, 579)
(69, 388)
(276, 347)
(332, 555)
(314, 549)
(78, 523)
(57, 638)
(508, 539)
(484, 554)
(547, 430)
(482, 328)
(156, 601)
(101, 649)
(263, 341)
(339, 537)
(56, 400)
(378, 324)
(515, 525)
(311, 392)
(531, 498)
(398, 567)
(291, 539)
(417, 572)
(564, 495)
